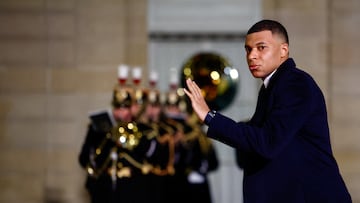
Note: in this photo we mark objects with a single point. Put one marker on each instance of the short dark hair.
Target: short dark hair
(271, 25)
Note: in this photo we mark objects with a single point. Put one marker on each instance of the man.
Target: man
(99, 184)
(284, 149)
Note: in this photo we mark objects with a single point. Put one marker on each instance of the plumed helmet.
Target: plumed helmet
(177, 98)
(153, 97)
(139, 96)
(121, 97)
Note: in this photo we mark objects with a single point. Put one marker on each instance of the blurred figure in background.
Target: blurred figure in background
(147, 150)
(195, 156)
(161, 155)
(96, 149)
(202, 160)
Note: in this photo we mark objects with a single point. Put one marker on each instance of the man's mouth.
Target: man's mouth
(253, 67)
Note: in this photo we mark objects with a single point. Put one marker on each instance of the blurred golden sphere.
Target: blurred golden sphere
(214, 75)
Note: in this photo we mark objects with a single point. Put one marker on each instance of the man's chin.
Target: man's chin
(257, 75)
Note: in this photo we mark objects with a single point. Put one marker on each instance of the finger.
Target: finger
(192, 87)
(188, 93)
(197, 90)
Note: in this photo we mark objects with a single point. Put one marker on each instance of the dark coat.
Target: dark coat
(99, 188)
(285, 149)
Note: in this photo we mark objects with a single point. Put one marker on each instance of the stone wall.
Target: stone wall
(58, 61)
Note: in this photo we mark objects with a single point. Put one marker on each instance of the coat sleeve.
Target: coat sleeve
(84, 154)
(289, 107)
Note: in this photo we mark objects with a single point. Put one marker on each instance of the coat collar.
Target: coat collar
(286, 65)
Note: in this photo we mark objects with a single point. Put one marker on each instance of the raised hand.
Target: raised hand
(198, 102)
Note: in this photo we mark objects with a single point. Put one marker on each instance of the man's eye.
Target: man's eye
(260, 48)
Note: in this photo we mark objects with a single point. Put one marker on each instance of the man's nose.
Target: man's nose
(252, 54)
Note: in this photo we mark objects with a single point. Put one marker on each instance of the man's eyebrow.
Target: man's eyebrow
(260, 43)
(257, 44)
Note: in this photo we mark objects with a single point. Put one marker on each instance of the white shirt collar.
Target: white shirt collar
(267, 79)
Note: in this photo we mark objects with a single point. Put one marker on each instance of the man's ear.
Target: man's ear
(284, 50)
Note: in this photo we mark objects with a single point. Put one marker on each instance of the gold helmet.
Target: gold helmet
(153, 97)
(139, 96)
(121, 97)
(177, 98)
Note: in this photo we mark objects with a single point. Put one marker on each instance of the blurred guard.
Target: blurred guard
(96, 150)
(195, 156)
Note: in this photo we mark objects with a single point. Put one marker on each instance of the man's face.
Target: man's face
(122, 114)
(265, 52)
(135, 109)
(153, 112)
